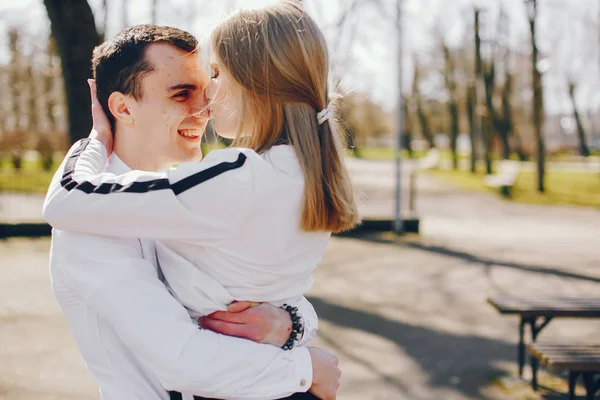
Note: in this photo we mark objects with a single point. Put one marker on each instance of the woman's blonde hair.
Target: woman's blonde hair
(278, 57)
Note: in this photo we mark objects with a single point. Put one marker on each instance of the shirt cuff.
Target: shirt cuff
(300, 357)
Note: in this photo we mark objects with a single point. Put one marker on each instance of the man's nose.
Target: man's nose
(200, 109)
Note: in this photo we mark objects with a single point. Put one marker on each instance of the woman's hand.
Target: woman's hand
(101, 129)
(259, 322)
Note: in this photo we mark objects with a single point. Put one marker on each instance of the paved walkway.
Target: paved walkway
(407, 316)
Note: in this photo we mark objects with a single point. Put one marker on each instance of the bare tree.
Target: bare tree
(345, 28)
(451, 87)
(125, 13)
(14, 37)
(45, 145)
(406, 127)
(74, 29)
(501, 119)
(483, 123)
(33, 125)
(422, 116)
(582, 148)
(154, 11)
(16, 137)
(471, 115)
(538, 95)
(105, 9)
(475, 124)
(575, 50)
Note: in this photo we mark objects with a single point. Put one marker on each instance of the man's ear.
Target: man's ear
(119, 106)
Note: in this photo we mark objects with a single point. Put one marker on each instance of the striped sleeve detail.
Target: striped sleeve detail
(179, 187)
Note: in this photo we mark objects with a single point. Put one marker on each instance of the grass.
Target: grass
(33, 179)
(30, 179)
(386, 153)
(562, 188)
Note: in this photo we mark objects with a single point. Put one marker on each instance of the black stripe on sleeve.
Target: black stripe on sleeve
(189, 182)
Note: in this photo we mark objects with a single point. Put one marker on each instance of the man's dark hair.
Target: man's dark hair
(119, 64)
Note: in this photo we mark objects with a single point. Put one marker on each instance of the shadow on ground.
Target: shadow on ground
(462, 363)
(465, 256)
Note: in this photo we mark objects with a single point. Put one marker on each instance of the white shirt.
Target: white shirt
(229, 227)
(137, 340)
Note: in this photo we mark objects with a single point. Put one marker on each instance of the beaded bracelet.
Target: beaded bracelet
(297, 326)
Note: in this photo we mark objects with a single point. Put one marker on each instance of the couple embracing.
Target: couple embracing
(188, 281)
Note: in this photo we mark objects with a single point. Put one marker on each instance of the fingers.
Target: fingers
(239, 306)
(232, 317)
(230, 329)
(92, 85)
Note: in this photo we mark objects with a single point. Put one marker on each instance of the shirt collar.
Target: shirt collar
(116, 165)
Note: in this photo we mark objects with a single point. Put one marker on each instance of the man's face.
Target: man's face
(171, 116)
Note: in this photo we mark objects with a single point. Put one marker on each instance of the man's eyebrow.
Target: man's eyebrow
(180, 86)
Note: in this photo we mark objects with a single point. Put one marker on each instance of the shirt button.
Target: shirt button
(303, 382)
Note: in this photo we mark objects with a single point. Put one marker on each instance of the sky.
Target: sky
(369, 64)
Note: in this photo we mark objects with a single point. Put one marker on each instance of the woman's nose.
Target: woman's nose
(210, 90)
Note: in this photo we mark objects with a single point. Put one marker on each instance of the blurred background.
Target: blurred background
(474, 122)
(473, 84)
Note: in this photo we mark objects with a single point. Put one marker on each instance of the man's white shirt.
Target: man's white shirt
(138, 341)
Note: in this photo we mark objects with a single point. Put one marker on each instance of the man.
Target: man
(137, 340)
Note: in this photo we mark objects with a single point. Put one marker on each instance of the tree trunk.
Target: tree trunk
(104, 20)
(17, 135)
(508, 128)
(486, 128)
(485, 122)
(75, 32)
(538, 101)
(407, 131)
(424, 122)
(472, 127)
(154, 11)
(583, 148)
(421, 114)
(450, 81)
(453, 109)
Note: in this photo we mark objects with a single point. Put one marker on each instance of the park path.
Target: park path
(407, 316)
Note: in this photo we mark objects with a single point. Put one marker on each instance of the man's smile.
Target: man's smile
(190, 133)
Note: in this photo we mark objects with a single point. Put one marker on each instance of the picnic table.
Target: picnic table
(537, 314)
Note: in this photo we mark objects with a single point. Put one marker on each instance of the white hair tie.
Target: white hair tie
(323, 115)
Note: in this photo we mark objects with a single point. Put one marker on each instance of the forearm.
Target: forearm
(187, 203)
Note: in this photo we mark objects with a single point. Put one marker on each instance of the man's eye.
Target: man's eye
(214, 75)
(182, 95)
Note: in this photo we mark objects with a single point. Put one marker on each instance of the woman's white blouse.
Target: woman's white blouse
(228, 227)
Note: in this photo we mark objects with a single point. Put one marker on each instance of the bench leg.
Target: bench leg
(521, 347)
(534, 370)
(591, 384)
(535, 330)
(572, 382)
(505, 191)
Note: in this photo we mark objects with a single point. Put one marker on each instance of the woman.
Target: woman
(250, 222)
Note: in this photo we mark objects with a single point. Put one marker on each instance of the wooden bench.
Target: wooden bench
(537, 314)
(579, 360)
(505, 179)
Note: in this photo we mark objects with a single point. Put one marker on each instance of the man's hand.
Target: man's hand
(101, 129)
(261, 323)
(326, 374)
